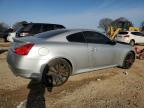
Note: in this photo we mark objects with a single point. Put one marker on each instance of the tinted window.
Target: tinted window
(95, 37)
(49, 34)
(137, 33)
(47, 27)
(123, 33)
(26, 28)
(77, 37)
(36, 28)
(59, 27)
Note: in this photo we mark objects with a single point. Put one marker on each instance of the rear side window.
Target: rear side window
(137, 33)
(123, 33)
(77, 37)
(95, 37)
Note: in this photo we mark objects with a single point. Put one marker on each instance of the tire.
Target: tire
(132, 43)
(129, 60)
(56, 73)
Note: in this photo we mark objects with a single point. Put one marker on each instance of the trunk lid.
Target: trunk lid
(21, 41)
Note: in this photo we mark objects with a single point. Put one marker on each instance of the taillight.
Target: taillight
(24, 34)
(126, 36)
(24, 49)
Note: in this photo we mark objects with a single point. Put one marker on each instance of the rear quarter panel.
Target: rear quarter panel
(76, 53)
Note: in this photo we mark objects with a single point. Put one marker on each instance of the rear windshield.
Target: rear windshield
(26, 28)
(49, 34)
(123, 33)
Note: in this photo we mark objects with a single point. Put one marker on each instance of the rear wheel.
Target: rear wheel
(129, 60)
(57, 72)
(132, 43)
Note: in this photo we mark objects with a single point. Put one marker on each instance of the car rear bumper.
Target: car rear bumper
(122, 40)
(25, 67)
(25, 74)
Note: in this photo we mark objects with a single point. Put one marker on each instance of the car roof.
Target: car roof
(43, 24)
(80, 30)
(58, 35)
(70, 31)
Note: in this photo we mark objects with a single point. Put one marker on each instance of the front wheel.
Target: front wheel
(57, 72)
(129, 60)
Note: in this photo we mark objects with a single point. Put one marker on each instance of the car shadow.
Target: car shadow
(3, 50)
(36, 94)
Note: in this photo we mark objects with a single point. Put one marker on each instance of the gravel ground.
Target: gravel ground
(109, 88)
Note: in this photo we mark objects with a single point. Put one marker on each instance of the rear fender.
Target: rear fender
(69, 60)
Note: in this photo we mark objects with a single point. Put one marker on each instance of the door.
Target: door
(138, 36)
(79, 51)
(102, 51)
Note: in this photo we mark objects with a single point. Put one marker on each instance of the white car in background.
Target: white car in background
(131, 37)
(11, 36)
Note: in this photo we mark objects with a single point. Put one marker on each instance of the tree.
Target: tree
(122, 22)
(142, 26)
(18, 25)
(3, 28)
(105, 23)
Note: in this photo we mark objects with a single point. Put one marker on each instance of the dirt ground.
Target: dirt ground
(109, 88)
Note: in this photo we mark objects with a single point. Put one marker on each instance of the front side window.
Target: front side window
(95, 37)
(77, 37)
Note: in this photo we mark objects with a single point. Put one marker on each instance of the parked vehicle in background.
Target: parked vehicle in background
(11, 36)
(31, 29)
(131, 37)
(6, 34)
(55, 55)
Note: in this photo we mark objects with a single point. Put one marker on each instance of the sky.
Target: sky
(71, 13)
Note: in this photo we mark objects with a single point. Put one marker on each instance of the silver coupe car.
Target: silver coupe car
(55, 55)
